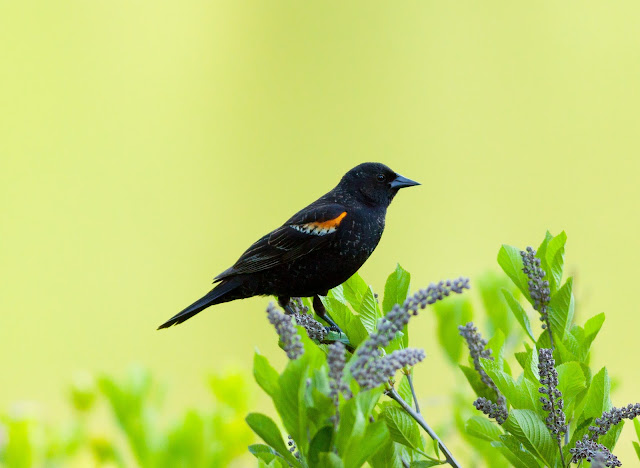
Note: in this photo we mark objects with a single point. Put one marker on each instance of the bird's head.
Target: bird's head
(374, 183)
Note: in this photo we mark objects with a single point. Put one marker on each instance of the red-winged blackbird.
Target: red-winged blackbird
(317, 249)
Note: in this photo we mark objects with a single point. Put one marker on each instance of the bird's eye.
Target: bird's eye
(382, 177)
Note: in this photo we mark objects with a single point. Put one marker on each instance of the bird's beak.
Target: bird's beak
(400, 182)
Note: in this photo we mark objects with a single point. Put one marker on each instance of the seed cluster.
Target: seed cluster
(552, 403)
(286, 331)
(611, 418)
(478, 349)
(315, 329)
(491, 409)
(587, 449)
(538, 287)
(337, 361)
(370, 369)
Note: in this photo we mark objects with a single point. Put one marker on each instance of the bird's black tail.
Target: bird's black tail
(215, 296)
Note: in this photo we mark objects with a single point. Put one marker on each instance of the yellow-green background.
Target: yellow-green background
(144, 145)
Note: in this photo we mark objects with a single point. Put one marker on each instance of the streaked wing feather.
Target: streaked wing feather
(286, 243)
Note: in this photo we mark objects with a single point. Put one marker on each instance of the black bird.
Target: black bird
(317, 249)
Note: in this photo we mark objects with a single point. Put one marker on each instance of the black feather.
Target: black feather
(215, 296)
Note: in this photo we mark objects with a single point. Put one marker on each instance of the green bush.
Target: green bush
(341, 404)
(200, 438)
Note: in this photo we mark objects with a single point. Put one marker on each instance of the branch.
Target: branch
(393, 394)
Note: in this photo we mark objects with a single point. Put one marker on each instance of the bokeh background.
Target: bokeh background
(144, 145)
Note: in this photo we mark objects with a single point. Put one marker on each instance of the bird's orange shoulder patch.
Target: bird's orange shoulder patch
(331, 223)
(321, 228)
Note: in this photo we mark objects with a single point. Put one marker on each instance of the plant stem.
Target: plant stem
(393, 394)
(561, 454)
(553, 346)
(413, 391)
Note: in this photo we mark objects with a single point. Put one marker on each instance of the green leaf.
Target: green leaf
(360, 451)
(337, 293)
(390, 455)
(513, 451)
(571, 380)
(290, 400)
(531, 370)
(396, 288)
(554, 256)
(511, 262)
(519, 313)
(591, 330)
(267, 430)
(426, 463)
(265, 375)
(346, 320)
(561, 310)
(598, 398)
(636, 446)
(530, 430)
(354, 290)
(404, 389)
(321, 443)
(636, 425)
(496, 345)
(369, 311)
(402, 427)
(330, 460)
(450, 314)
(354, 415)
(521, 394)
(482, 428)
(477, 384)
(610, 439)
(263, 452)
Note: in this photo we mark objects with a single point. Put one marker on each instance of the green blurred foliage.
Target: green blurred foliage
(199, 438)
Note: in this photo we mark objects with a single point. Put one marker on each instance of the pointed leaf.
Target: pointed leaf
(598, 398)
(561, 310)
(263, 452)
(348, 322)
(369, 311)
(264, 427)
(482, 428)
(531, 431)
(511, 262)
(402, 428)
(571, 380)
(591, 330)
(330, 460)
(373, 440)
(321, 443)
(354, 290)
(513, 451)
(519, 313)
(555, 260)
(396, 288)
(265, 375)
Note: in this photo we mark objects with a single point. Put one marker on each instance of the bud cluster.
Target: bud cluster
(538, 287)
(611, 418)
(337, 361)
(478, 349)
(370, 369)
(552, 403)
(491, 409)
(286, 331)
(315, 329)
(590, 450)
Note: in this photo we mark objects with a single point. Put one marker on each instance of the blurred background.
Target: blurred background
(144, 146)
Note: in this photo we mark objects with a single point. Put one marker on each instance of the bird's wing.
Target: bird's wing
(305, 232)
